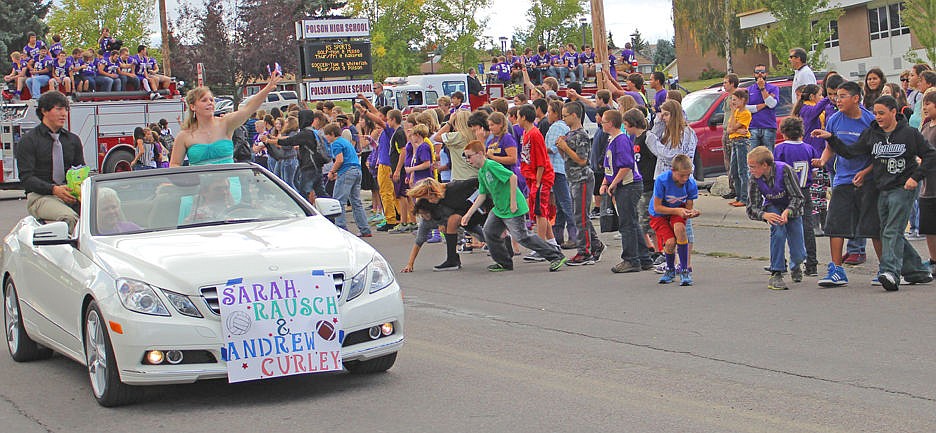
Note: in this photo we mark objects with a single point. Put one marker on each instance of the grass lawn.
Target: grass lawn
(692, 86)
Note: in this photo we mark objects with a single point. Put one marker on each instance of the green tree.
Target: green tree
(611, 44)
(638, 44)
(79, 22)
(17, 17)
(397, 31)
(665, 52)
(799, 24)
(552, 22)
(920, 15)
(455, 28)
(714, 25)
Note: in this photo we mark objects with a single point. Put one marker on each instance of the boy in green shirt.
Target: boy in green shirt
(508, 213)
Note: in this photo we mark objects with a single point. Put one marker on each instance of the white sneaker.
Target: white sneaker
(617, 236)
(534, 257)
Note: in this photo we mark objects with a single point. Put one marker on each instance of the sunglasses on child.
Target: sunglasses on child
(467, 156)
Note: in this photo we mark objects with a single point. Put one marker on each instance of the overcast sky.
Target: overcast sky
(652, 17)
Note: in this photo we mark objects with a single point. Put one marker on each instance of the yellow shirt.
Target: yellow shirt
(743, 118)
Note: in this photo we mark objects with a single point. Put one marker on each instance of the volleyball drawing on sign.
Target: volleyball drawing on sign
(238, 323)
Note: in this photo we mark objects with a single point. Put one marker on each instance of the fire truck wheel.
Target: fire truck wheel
(118, 161)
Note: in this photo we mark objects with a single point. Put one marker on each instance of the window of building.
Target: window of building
(833, 39)
(886, 21)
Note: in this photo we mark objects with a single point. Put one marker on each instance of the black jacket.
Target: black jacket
(307, 141)
(894, 155)
(34, 157)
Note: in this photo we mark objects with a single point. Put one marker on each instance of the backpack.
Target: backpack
(242, 149)
(322, 155)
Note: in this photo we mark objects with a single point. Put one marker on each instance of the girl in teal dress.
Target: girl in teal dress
(206, 139)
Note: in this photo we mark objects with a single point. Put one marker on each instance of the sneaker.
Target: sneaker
(811, 271)
(625, 267)
(914, 235)
(855, 259)
(447, 266)
(365, 235)
(659, 259)
(497, 267)
(375, 218)
(594, 214)
(646, 266)
(384, 227)
(776, 282)
(796, 274)
(685, 278)
(617, 236)
(557, 264)
(876, 281)
(465, 248)
(435, 238)
(922, 279)
(889, 281)
(534, 257)
(397, 229)
(668, 276)
(569, 245)
(660, 268)
(730, 196)
(836, 277)
(411, 227)
(581, 259)
(597, 250)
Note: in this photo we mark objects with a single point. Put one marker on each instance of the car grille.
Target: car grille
(210, 293)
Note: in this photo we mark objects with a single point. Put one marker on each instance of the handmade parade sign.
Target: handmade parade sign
(280, 326)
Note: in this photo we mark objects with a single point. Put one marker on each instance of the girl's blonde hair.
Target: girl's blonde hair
(459, 122)
(430, 118)
(188, 120)
(672, 135)
(426, 188)
(292, 124)
(625, 103)
(421, 130)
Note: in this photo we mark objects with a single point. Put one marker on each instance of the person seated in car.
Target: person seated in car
(43, 156)
(110, 215)
(212, 202)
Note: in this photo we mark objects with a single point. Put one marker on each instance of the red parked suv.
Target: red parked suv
(705, 114)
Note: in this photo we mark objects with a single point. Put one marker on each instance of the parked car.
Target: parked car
(143, 275)
(279, 99)
(223, 105)
(705, 114)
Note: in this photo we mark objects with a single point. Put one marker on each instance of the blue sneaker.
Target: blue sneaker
(668, 276)
(835, 278)
(435, 238)
(685, 278)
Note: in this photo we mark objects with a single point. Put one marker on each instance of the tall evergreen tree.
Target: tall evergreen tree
(17, 17)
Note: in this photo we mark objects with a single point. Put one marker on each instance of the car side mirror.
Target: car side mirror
(716, 119)
(54, 233)
(328, 207)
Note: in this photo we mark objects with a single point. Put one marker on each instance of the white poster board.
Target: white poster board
(333, 28)
(344, 89)
(280, 325)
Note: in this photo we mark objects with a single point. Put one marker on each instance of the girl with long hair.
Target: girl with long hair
(873, 85)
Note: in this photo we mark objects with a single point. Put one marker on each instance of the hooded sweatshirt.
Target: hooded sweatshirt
(894, 154)
(306, 139)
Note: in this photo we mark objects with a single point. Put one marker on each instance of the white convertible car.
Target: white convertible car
(133, 292)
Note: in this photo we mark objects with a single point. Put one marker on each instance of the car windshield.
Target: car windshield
(697, 104)
(172, 199)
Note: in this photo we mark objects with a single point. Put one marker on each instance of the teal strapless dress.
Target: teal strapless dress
(218, 152)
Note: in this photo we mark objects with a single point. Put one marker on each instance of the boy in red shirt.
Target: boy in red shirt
(538, 171)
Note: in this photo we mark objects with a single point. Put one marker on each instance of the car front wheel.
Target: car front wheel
(22, 348)
(106, 386)
(376, 365)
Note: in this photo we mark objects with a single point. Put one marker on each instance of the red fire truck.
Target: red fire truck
(105, 125)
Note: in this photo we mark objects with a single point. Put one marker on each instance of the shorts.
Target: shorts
(599, 179)
(538, 200)
(853, 213)
(663, 226)
(928, 216)
(400, 187)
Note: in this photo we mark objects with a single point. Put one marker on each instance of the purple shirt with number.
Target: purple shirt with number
(33, 53)
(571, 59)
(620, 154)
(60, 70)
(587, 59)
(44, 63)
(798, 156)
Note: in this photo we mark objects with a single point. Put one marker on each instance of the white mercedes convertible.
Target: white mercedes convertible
(132, 293)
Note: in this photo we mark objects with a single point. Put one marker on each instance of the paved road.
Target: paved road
(580, 350)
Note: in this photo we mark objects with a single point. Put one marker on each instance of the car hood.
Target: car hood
(184, 260)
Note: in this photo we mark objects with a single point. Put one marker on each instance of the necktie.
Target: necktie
(58, 162)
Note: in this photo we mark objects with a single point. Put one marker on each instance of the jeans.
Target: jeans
(582, 193)
(790, 234)
(898, 257)
(348, 189)
(763, 137)
(915, 215)
(105, 84)
(740, 174)
(626, 198)
(36, 83)
(494, 228)
(287, 171)
(809, 235)
(729, 168)
(127, 82)
(561, 72)
(856, 246)
(579, 73)
(564, 213)
(310, 180)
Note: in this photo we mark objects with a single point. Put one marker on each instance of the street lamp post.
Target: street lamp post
(503, 41)
(583, 21)
(431, 62)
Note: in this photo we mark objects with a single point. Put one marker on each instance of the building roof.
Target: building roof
(761, 17)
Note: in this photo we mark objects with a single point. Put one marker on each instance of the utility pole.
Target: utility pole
(167, 66)
(599, 38)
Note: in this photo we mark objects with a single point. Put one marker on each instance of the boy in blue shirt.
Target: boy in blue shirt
(346, 172)
(674, 193)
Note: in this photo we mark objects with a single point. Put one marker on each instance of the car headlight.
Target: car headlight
(182, 303)
(375, 276)
(380, 274)
(140, 297)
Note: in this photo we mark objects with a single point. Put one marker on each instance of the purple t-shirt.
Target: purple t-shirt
(55, 49)
(798, 156)
(587, 59)
(658, 99)
(612, 65)
(627, 57)
(766, 118)
(620, 154)
(422, 154)
(383, 146)
(810, 115)
(60, 70)
(570, 59)
(89, 68)
(33, 52)
(541, 60)
(637, 97)
(45, 63)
